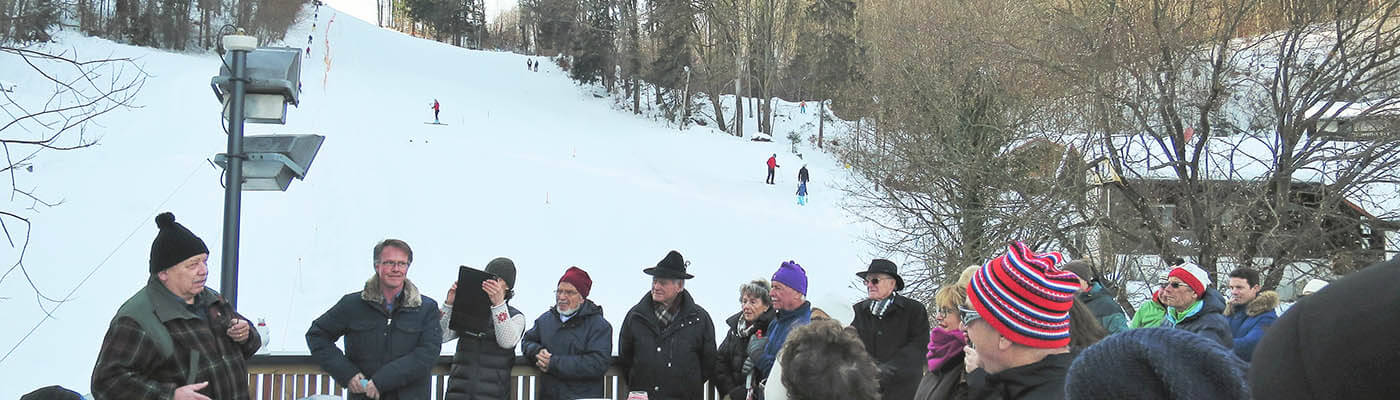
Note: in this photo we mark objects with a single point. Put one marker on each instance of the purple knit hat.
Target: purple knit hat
(792, 275)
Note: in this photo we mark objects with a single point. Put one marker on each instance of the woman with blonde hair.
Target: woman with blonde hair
(945, 377)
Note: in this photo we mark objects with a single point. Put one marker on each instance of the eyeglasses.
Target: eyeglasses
(943, 312)
(873, 281)
(393, 263)
(570, 293)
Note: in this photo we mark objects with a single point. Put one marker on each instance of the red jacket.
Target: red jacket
(772, 162)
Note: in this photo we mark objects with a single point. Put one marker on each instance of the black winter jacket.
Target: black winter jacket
(735, 349)
(1042, 380)
(480, 367)
(897, 341)
(580, 350)
(395, 350)
(671, 362)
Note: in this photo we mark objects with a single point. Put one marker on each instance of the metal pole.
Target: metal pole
(233, 189)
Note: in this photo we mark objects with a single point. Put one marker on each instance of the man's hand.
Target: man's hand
(970, 360)
(542, 360)
(355, 386)
(451, 293)
(189, 392)
(495, 290)
(371, 391)
(239, 330)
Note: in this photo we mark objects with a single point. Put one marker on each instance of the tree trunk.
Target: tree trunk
(719, 110)
(821, 122)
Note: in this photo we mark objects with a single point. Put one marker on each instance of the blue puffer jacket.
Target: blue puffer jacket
(778, 331)
(580, 351)
(1248, 322)
(395, 349)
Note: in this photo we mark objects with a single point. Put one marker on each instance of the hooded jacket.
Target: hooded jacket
(1248, 322)
(580, 351)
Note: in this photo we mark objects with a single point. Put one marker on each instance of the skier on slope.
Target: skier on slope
(436, 108)
(802, 179)
(772, 163)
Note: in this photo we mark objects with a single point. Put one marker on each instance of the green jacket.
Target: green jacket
(1149, 315)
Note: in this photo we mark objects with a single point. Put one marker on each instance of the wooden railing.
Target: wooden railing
(290, 377)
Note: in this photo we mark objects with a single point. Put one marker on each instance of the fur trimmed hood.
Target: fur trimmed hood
(412, 297)
(1266, 301)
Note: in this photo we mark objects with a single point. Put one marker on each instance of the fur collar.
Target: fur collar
(1266, 301)
(372, 293)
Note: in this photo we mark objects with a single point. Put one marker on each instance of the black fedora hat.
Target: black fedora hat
(671, 267)
(885, 267)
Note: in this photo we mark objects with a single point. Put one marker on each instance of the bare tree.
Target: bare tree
(82, 90)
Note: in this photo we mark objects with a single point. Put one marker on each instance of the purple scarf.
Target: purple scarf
(944, 345)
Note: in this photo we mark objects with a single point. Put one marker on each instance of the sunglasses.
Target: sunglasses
(968, 315)
(874, 281)
(1177, 285)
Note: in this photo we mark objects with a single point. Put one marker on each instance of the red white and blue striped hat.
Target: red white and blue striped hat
(1025, 296)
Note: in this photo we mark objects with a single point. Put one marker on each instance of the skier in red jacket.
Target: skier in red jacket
(772, 163)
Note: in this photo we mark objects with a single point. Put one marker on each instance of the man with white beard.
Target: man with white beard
(571, 343)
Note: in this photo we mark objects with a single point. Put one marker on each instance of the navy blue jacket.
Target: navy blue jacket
(580, 350)
(395, 349)
(1249, 321)
(1209, 321)
(778, 331)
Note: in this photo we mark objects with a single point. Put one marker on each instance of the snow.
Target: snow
(531, 167)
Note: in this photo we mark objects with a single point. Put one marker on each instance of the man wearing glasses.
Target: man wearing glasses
(666, 345)
(894, 330)
(1018, 326)
(391, 333)
(571, 343)
(1193, 305)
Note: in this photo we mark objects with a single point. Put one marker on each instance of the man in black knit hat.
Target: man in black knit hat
(175, 338)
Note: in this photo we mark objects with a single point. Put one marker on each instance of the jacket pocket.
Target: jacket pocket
(403, 338)
(363, 340)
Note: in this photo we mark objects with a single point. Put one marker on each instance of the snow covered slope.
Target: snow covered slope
(530, 167)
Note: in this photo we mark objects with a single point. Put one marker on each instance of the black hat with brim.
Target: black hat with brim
(671, 267)
(886, 267)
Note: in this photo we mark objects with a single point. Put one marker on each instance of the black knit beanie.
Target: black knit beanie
(173, 244)
(1156, 363)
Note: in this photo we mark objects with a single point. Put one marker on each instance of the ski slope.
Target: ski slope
(530, 167)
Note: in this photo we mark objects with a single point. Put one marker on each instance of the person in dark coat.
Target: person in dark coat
(1195, 306)
(1156, 363)
(1337, 343)
(743, 345)
(802, 179)
(571, 343)
(175, 338)
(1097, 298)
(772, 163)
(482, 361)
(666, 346)
(391, 331)
(1251, 311)
(1019, 326)
(894, 330)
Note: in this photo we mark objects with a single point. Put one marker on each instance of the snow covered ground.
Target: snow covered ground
(530, 167)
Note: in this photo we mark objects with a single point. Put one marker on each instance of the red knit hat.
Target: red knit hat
(1192, 276)
(1025, 297)
(577, 277)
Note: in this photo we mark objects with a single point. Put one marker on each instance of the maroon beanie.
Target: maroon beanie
(577, 277)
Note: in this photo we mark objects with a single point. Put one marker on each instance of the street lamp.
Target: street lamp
(257, 88)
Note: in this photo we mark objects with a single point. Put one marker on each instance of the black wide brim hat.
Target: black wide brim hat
(671, 267)
(886, 267)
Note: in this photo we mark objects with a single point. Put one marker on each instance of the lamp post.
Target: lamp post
(256, 88)
(239, 46)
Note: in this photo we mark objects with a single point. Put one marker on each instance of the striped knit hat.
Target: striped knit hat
(1025, 297)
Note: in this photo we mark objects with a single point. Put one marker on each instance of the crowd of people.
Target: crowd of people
(1024, 325)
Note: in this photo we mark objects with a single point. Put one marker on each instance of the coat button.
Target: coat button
(668, 365)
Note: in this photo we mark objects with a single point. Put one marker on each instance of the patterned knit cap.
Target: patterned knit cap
(1025, 297)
